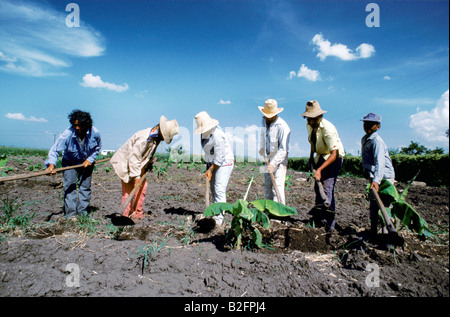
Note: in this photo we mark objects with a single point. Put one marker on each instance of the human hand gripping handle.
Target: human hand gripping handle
(51, 169)
(86, 164)
(274, 184)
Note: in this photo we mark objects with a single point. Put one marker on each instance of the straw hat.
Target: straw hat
(312, 110)
(204, 122)
(169, 129)
(270, 108)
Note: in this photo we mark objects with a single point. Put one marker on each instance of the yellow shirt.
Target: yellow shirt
(327, 140)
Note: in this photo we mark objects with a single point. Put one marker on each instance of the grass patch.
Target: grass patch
(10, 220)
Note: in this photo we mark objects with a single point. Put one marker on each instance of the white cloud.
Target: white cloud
(387, 78)
(35, 40)
(223, 102)
(92, 81)
(341, 51)
(305, 72)
(21, 117)
(432, 125)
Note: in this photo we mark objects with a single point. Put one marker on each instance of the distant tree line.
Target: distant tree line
(416, 149)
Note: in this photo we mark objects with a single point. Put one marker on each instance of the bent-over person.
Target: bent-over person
(135, 158)
(219, 157)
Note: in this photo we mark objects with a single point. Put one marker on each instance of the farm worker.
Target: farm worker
(274, 148)
(377, 164)
(80, 144)
(326, 157)
(134, 158)
(219, 157)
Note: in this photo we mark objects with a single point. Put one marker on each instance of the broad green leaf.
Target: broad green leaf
(257, 237)
(240, 209)
(216, 208)
(273, 207)
(405, 191)
(388, 193)
(401, 210)
(261, 218)
(410, 218)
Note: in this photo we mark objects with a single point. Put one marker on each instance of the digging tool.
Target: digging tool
(25, 176)
(393, 234)
(136, 187)
(120, 220)
(323, 196)
(207, 193)
(274, 184)
(132, 193)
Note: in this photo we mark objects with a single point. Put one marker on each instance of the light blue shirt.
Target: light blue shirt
(69, 145)
(375, 158)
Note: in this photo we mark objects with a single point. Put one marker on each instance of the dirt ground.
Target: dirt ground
(166, 255)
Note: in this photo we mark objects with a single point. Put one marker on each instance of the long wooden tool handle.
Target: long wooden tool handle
(274, 184)
(322, 194)
(24, 176)
(380, 204)
(207, 193)
(132, 193)
(319, 184)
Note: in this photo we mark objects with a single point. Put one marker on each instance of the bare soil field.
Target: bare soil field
(168, 255)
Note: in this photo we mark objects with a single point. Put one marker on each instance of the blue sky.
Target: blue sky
(129, 62)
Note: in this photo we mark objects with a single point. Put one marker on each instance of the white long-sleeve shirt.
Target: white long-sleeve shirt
(217, 148)
(275, 141)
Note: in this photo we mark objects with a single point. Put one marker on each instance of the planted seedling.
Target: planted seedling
(246, 217)
(403, 213)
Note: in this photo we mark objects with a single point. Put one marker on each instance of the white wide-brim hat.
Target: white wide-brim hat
(169, 129)
(204, 122)
(270, 108)
(312, 110)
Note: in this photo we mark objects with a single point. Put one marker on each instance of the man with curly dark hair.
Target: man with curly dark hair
(79, 144)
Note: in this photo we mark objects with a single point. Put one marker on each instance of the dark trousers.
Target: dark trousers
(328, 180)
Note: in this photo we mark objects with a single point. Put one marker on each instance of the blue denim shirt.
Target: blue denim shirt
(376, 161)
(72, 151)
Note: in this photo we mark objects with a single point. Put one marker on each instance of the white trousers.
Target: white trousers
(218, 187)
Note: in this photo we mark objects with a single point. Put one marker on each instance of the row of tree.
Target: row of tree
(416, 149)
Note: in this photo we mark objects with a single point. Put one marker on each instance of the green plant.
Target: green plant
(87, 224)
(9, 221)
(288, 182)
(403, 213)
(246, 217)
(148, 251)
(187, 230)
(35, 168)
(160, 170)
(3, 167)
